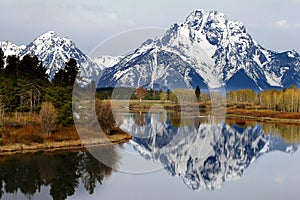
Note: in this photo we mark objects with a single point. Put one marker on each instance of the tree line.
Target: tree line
(141, 93)
(286, 100)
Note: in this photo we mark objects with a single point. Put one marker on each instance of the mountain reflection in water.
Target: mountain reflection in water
(203, 154)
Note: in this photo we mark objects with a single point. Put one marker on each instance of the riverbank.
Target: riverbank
(266, 116)
(247, 112)
(118, 137)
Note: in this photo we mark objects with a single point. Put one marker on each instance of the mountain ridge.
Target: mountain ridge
(207, 49)
(213, 46)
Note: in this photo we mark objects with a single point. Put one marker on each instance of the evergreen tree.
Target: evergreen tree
(197, 93)
(71, 69)
(67, 76)
(168, 94)
(12, 67)
(1, 59)
(31, 68)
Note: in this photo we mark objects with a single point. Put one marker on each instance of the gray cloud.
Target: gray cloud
(88, 22)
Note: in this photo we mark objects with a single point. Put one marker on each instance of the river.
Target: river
(169, 157)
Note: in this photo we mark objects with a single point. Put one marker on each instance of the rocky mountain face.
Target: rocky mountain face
(207, 49)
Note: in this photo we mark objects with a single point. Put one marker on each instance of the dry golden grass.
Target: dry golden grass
(64, 134)
(24, 135)
(30, 139)
(263, 113)
(33, 134)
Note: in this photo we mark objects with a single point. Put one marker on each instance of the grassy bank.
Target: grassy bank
(67, 140)
(21, 132)
(262, 115)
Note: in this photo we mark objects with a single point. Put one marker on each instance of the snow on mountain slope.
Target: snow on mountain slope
(10, 48)
(207, 47)
(54, 51)
(106, 61)
(204, 155)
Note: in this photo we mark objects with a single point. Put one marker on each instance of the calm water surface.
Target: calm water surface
(170, 157)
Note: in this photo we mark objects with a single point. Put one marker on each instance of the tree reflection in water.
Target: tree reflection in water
(62, 172)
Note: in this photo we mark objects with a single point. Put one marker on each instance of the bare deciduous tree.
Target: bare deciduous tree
(105, 115)
(48, 116)
(140, 92)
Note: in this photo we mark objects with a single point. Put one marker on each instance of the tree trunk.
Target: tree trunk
(31, 101)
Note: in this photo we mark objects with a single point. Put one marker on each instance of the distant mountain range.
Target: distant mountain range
(207, 49)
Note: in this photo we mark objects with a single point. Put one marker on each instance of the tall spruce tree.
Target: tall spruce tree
(67, 76)
(197, 93)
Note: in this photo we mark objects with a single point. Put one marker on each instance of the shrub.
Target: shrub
(48, 116)
(105, 115)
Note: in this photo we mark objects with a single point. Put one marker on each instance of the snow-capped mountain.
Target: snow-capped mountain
(207, 49)
(54, 51)
(11, 49)
(106, 61)
(204, 155)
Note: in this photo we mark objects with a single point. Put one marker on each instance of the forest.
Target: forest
(286, 100)
(25, 88)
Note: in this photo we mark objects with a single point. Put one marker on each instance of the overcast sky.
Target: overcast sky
(275, 24)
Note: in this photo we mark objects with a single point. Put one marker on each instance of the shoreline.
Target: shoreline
(264, 119)
(264, 116)
(64, 145)
(260, 116)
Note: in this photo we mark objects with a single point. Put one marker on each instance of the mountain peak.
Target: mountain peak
(10, 48)
(209, 49)
(203, 15)
(49, 34)
(54, 51)
(200, 13)
(213, 20)
(52, 37)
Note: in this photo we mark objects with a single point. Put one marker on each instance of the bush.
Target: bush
(105, 116)
(48, 116)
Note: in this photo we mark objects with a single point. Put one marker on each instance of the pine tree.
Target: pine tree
(1, 59)
(71, 69)
(67, 76)
(12, 68)
(197, 93)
